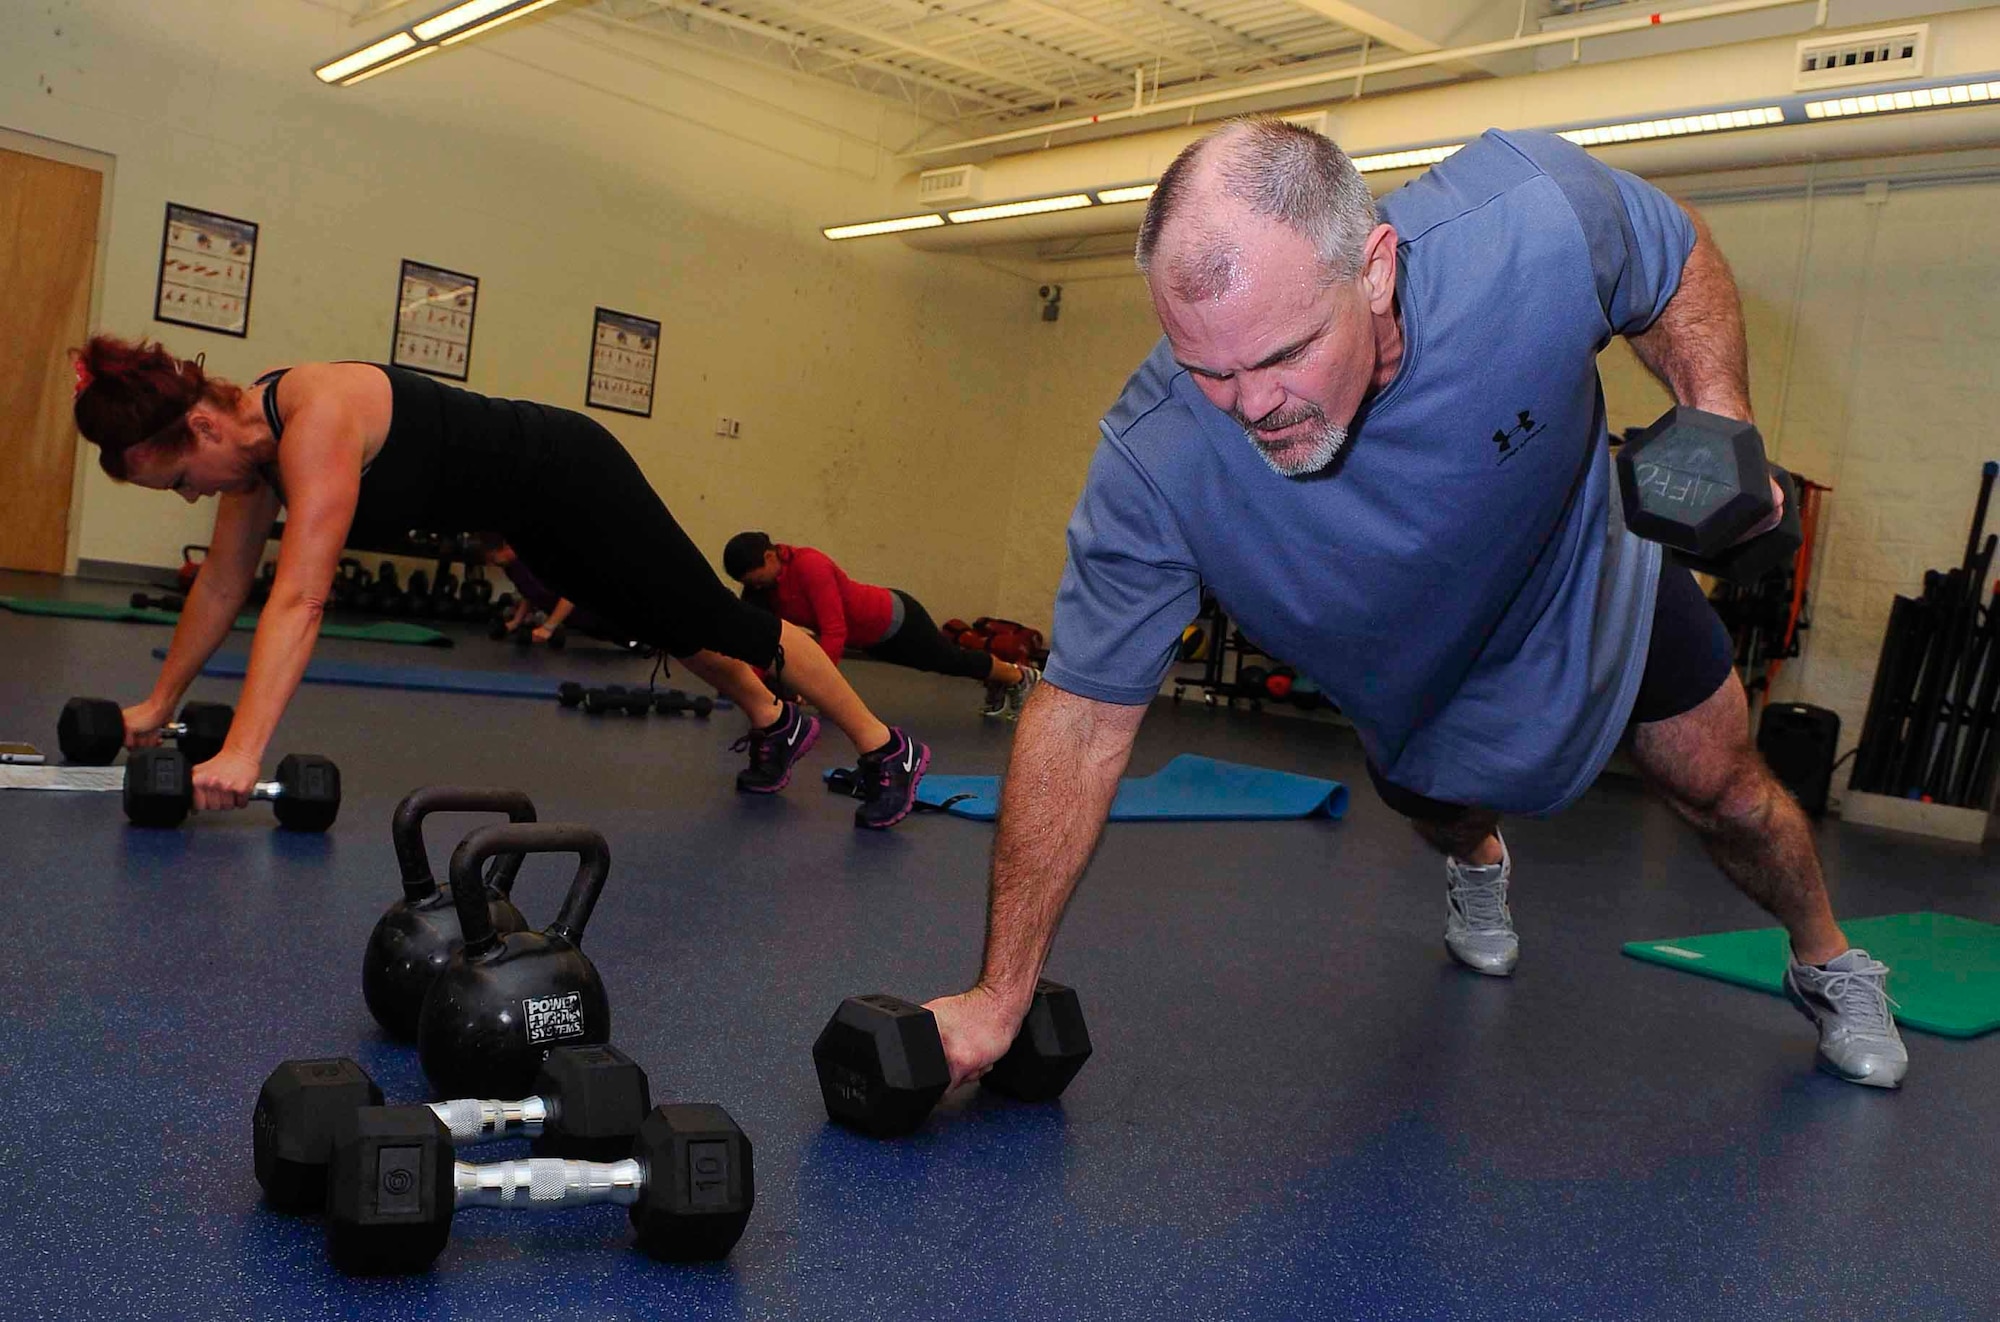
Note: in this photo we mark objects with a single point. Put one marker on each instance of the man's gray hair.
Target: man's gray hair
(1278, 170)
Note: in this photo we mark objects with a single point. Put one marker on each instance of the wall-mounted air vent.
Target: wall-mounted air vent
(1886, 55)
(952, 183)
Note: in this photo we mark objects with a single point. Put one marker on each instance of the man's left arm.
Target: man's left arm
(1696, 346)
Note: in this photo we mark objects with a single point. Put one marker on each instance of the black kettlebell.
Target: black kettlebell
(505, 998)
(417, 934)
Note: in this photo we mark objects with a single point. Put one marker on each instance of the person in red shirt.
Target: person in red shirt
(805, 586)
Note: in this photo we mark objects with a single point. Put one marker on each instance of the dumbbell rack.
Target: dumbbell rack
(1225, 641)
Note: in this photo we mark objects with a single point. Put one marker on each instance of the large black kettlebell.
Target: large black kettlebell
(417, 934)
(505, 998)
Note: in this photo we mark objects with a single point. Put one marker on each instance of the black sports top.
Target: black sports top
(453, 461)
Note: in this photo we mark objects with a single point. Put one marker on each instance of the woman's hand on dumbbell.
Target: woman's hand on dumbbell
(976, 1028)
(143, 721)
(224, 781)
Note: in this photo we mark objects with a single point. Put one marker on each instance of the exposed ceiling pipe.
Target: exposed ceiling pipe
(1461, 53)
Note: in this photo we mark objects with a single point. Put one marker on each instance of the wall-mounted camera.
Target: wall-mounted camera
(1051, 302)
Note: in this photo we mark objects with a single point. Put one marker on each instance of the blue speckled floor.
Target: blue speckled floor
(1298, 1107)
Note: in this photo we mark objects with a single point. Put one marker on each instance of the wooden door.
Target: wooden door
(48, 249)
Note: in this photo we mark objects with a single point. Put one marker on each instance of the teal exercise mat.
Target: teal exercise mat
(380, 631)
(430, 679)
(1187, 789)
(364, 674)
(1944, 971)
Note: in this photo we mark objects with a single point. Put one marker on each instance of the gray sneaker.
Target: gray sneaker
(1848, 999)
(1478, 926)
(995, 706)
(1017, 695)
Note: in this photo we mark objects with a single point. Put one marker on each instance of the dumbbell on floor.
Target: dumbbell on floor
(159, 789)
(1697, 482)
(673, 702)
(393, 1186)
(588, 1103)
(166, 601)
(881, 1064)
(615, 698)
(90, 731)
(524, 636)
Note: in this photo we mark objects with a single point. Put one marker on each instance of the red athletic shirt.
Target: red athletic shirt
(815, 593)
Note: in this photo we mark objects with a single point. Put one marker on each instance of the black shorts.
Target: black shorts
(1687, 659)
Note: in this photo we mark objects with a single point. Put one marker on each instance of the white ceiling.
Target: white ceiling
(973, 65)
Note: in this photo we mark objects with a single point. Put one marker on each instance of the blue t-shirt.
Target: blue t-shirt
(1460, 580)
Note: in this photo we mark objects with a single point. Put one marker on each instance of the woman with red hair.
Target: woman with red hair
(356, 449)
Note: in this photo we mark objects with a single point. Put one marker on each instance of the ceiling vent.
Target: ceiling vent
(952, 183)
(1885, 55)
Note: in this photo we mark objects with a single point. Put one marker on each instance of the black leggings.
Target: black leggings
(594, 530)
(919, 645)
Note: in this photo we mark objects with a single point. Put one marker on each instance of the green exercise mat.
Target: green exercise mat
(381, 631)
(1944, 971)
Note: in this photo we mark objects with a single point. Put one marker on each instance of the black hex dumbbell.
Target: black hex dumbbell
(393, 1186)
(588, 1103)
(418, 594)
(615, 698)
(90, 731)
(673, 702)
(881, 1061)
(1696, 482)
(165, 601)
(159, 789)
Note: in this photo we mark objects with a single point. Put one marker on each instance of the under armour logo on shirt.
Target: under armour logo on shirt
(1509, 442)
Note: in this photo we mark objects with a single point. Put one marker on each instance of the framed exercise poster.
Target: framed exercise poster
(624, 361)
(434, 311)
(206, 261)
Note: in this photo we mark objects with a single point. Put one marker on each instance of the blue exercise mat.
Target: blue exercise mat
(436, 679)
(1187, 789)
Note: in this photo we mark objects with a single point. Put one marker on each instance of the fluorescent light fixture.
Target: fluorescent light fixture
(1403, 160)
(1984, 90)
(411, 58)
(492, 23)
(897, 226)
(1923, 98)
(451, 20)
(426, 37)
(1032, 207)
(349, 65)
(1676, 126)
(1135, 193)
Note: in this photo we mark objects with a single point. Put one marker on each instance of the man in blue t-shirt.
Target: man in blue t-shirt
(1381, 442)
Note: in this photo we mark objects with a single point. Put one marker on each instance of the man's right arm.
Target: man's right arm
(1069, 752)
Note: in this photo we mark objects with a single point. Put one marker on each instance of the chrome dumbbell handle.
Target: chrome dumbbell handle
(474, 1120)
(548, 1182)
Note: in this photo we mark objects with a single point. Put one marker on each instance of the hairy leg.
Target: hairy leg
(1703, 763)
